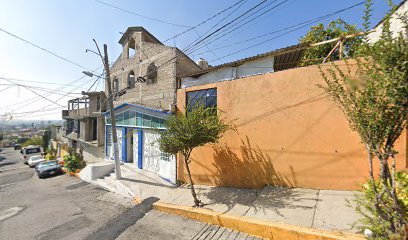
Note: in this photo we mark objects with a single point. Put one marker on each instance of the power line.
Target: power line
(45, 50)
(97, 79)
(22, 113)
(32, 100)
(22, 80)
(194, 27)
(239, 6)
(198, 41)
(39, 110)
(47, 90)
(238, 25)
(286, 28)
(300, 27)
(4, 89)
(142, 16)
(40, 95)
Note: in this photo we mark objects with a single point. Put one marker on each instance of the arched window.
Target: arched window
(151, 74)
(131, 79)
(115, 85)
(132, 48)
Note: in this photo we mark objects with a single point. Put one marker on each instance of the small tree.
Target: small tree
(375, 103)
(335, 29)
(46, 137)
(185, 132)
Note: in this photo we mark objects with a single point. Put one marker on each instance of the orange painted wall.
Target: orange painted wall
(289, 133)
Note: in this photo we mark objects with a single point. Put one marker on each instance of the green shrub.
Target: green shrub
(50, 156)
(370, 217)
(73, 162)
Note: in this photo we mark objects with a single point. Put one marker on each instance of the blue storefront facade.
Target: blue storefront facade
(138, 133)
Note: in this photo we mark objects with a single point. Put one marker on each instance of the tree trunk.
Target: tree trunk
(193, 193)
(371, 171)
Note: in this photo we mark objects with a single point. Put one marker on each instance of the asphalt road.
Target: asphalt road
(60, 207)
(63, 207)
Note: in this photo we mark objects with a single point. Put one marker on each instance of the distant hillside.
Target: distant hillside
(40, 124)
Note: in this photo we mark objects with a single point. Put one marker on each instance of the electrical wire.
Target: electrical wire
(286, 28)
(268, 40)
(40, 95)
(238, 24)
(39, 110)
(35, 99)
(45, 50)
(22, 80)
(140, 15)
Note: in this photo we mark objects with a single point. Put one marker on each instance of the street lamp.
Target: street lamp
(89, 74)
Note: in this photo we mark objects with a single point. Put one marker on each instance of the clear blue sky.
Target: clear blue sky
(67, 28)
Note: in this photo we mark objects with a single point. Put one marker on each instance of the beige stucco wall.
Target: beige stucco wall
(289, 133)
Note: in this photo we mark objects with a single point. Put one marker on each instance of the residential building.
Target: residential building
(396, 23)
(288, 132)
(85, 125)
(149, 71)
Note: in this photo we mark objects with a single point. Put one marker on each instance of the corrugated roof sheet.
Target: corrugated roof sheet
(285, 58)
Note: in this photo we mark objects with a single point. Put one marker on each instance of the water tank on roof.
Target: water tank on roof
(202, 63)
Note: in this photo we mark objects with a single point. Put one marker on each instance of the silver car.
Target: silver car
(34, 160)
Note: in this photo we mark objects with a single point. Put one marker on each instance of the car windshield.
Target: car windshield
(36, 157)
(48, 163)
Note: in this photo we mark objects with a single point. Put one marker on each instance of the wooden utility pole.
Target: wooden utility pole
(105, 62)
(112, 114)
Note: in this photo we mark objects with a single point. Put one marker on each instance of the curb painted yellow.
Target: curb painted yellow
(260, 228)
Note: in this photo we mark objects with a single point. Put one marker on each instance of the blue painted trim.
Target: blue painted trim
(167, 180)
(124, 145)
(139, 148)
(106, 140)
(137, 127)
(137, 107)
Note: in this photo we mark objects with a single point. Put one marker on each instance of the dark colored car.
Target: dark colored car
(17, 147)
(48, 168)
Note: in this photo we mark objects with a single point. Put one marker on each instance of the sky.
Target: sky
(66, 28)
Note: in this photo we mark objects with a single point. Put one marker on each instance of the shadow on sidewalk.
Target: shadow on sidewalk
(146, 182)
(250, 167)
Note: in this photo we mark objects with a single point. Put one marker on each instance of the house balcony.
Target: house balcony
(90, 105)
(79, 113)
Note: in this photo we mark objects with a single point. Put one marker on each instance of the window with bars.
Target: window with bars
(164, 156)
(109, 136)
(205, 97)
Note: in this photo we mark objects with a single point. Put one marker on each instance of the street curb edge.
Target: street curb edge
(252, 226)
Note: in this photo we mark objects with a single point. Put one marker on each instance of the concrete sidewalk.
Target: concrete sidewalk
(322, 209)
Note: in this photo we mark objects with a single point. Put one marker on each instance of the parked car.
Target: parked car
(31, 150)
(17, 146)
(34, 160)
(48, 168)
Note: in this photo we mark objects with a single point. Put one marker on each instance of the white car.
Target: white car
(34, 160)
(29, 151)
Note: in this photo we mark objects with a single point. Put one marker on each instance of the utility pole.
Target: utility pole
(105, 62)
